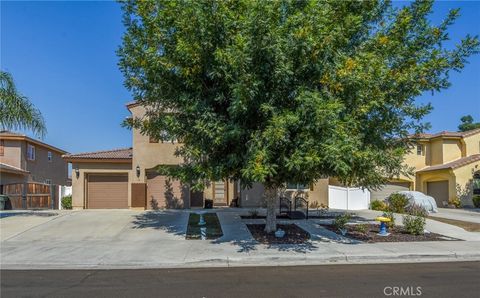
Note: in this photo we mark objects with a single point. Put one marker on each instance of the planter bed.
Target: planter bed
(397, 234)
(284, 216)
(293, 234)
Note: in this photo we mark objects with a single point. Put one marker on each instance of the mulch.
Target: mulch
(397, 234)
(293, 234)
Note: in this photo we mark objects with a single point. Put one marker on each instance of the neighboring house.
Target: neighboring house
(447, 166)
(23, 159)
(126, 178)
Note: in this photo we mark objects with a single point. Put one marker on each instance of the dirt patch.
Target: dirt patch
(293, 234)
(467, 226)
(397, 234)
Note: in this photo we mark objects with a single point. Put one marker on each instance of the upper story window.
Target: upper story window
(296, 186)
(2, 147)
(420, 150)
(30, 152)
(49, 156)
(48, 181)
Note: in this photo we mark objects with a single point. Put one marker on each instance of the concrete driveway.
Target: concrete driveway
(156, 239)
(469, 215)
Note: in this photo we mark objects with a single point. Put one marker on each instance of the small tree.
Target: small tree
(277, 91)
(468, 124)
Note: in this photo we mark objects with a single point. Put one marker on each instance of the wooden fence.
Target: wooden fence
(31, 195)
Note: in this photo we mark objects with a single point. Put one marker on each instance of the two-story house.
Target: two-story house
(24, 159)
(446, 166)
(126, 178)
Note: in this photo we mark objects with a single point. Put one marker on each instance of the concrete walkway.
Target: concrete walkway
(469, 215)
(134, 239)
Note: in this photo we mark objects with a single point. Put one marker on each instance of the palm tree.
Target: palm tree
(16, 111)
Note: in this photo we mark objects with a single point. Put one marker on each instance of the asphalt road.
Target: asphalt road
(388, 280)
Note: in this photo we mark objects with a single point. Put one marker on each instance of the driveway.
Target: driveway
(156, 239)
(469, 215)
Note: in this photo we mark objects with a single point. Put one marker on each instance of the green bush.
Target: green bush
(476, 201)
(397, 203)
(67, 202)
(378, 205)
(340, 221)
(414, 223)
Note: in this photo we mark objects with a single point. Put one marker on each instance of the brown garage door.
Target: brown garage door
(439, 191)
(388, 189)
(107, 191)
(164, 192)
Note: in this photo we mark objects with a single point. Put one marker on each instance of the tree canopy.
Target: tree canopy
(467, 123)
(276, 91)
(16, 111)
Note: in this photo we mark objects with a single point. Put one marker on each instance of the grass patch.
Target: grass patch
(467, 226)
(214, 229)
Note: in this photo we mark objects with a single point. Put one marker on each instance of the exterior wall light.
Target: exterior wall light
(138, 171)
(77, 172)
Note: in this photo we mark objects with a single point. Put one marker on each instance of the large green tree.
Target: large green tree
(467, 123)
(276, 91)
(16, 111)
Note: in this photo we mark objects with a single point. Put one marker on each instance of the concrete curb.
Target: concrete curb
(259, 262)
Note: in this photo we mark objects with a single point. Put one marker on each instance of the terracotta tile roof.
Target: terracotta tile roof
(11, 169)
(8, 135)
(120, 154)
(453, 164)
(447, 134)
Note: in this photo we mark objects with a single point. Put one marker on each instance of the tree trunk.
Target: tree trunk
(271, 221)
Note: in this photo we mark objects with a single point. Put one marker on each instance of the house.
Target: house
(126, 178)
(24, 159)
(446, 165)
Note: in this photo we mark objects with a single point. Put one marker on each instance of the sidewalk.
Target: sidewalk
(132, 239)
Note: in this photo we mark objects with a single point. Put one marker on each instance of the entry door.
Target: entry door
(219, 193)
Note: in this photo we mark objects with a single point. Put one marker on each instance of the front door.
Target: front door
(220, 193)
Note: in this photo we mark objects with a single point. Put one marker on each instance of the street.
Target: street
(453, 279)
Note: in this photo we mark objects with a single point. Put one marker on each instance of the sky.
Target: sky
(62, 56)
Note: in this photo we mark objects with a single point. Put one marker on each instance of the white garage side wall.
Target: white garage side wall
(348, 198)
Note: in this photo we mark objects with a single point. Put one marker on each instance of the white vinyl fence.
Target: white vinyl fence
(348, 198)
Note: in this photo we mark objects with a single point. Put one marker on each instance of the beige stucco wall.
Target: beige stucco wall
(436, 152)
(79, 184)
(472, 145)
(12, 153)
(41, 169)
(463, 182)
(452, 149)
(417, 161)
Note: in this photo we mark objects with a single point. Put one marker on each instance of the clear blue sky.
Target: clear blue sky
(62, 56)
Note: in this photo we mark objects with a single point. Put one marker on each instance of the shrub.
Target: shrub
(340, 221)
(391, 216)
(455, 202)
(476, 201)
(67, 202)
(378, 205)
(414, 223)
(361, 228)
(397, 203)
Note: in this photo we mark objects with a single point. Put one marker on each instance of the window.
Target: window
(476, 184)
(30, 152)
(419, 149)
(49, 156)
(2, 147)
(48, 181)
(297, 186)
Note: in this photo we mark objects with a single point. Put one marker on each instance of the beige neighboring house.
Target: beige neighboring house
(447, 166)
(126, 178)
(24, 159)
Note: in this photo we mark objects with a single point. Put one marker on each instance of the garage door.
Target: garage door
(388, 189)
(439, 191)
(107, 191)
(164, 192)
